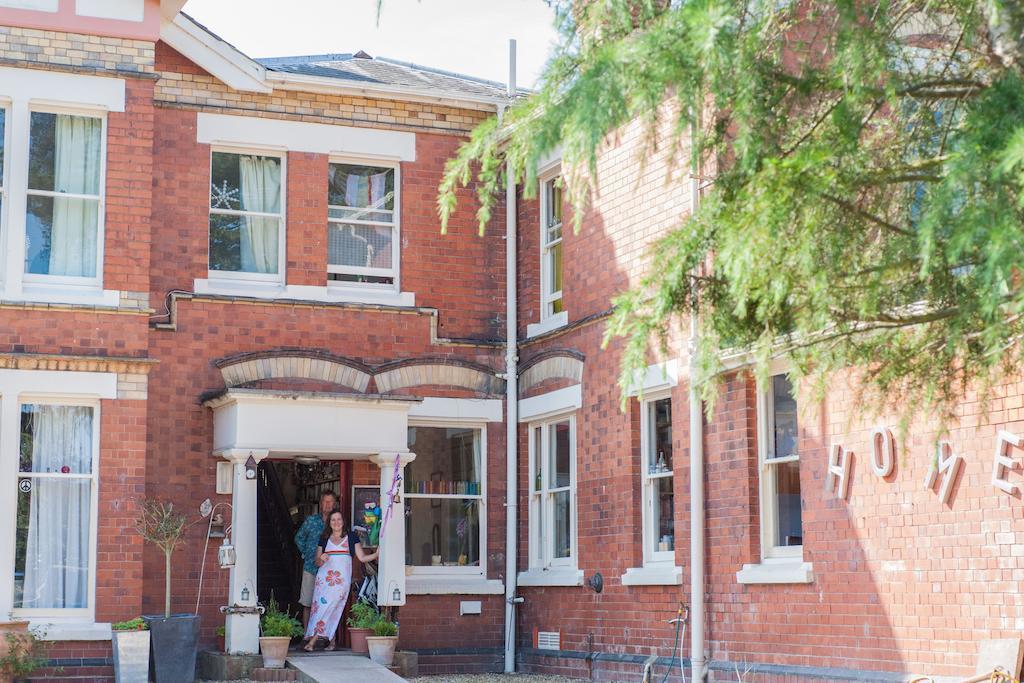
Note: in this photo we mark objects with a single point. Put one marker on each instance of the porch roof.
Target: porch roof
(289, 423)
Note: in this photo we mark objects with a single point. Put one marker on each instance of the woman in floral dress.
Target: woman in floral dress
(333, 579)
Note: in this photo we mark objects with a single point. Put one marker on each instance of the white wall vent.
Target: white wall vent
(549, 640)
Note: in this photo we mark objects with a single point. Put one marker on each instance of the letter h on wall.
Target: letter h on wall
(837, 478)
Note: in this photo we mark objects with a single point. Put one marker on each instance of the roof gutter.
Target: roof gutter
(319, 84)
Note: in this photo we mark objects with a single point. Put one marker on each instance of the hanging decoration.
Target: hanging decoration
(393, 490)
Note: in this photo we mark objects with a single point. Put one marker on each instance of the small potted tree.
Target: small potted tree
(277, 629)
(384, 640)
(361, 619)
(131, 650)
(21, 653)
(173, 636)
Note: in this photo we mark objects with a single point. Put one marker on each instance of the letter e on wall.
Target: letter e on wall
(1003, 462)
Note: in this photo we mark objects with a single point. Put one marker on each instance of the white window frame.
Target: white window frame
(767, 462)
(541, 541)
(64, 281)
(282, 256)
(396, 237)
(548, 299)
(649, 482)
(468, 572)
(11, 452)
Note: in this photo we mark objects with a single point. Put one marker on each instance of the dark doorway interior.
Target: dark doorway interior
(287, 493)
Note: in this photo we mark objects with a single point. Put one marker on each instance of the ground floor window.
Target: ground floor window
(553, 493)
(56, 504)
(444, 500)
(658, 489)
(781, 512)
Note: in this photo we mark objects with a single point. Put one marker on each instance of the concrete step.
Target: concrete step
(340, 667)
(264, 674)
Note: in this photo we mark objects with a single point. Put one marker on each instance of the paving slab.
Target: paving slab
(341, 668)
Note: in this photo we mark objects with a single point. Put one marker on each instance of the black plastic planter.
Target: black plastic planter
(173, 641)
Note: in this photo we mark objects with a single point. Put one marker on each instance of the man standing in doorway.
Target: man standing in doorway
(307, 539)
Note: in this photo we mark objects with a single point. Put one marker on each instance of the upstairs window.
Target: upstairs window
(551, 247)
(64, 200)
(246, 219)
(362, 225)
(781, 516)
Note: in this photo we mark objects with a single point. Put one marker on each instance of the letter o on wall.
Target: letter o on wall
(883, 452)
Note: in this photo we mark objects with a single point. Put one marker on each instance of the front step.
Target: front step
(264, 674)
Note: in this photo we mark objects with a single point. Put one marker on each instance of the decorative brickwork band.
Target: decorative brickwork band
(559, 365)
(449, 373)
(297, 365)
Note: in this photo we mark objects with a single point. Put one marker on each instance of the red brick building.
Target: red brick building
(214, 265)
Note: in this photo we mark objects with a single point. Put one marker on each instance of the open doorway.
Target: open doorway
(288, 491)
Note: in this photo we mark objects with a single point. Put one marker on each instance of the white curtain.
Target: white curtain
(77, 171)
(57, 547)
(261, 191)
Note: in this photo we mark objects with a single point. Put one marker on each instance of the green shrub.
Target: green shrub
(221, 631)
(385, 627)
(362, 615)
(276, 623)
(136, 624)
(25, 654)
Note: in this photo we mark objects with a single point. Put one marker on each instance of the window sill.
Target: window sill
(653, 575)
(71, 630)
(437, 585)
(72, 296)
(547, 325)
(326, 294)
(550, 577)
(776, 572)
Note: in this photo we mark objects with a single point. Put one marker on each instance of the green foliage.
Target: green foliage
(863, 173)
(220, 631)
(161, 525)
(362, 615)
(275, 623)
(136, 624)
(384, 627)
(25, 654)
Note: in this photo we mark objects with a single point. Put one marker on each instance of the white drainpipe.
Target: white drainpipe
(511, 398)
(698, 664)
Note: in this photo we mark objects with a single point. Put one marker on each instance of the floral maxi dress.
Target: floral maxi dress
(331, 590)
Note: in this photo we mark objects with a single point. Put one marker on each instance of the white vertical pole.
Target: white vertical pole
(391, 561)
(242, 630)
(511, 397)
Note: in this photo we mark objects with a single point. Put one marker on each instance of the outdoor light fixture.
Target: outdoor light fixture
(250, 467)
(596, 583)
(226, 554)
(307, 459)
(396, 595)
(245, 594)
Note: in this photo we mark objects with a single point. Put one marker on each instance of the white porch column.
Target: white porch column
(391, 563)
(242, 630)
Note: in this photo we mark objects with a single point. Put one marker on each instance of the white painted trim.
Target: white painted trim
(657, 377)
(37, 5)
(57, 383)
(550, 577)
(552, 403)
(299, 136)
(261, 290)
(223, 61)
(776, 572)
(540, 554)
(55, 88)
(70, 630)
(648, 482)
(766, 474)
(549, 324)
(417, 585)
(653, 575)
(550, 164)
(474, 410)
(63, 294)
(122, 10)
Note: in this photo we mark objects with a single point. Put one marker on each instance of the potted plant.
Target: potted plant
(131, 650)
(173, 636)
(361, 619)
(277, 629)
(220, 632)
(21, 653)
(383, 641)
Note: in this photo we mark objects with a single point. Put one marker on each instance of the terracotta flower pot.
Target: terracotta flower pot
(382, 649)
(274, 650)
(358, 638)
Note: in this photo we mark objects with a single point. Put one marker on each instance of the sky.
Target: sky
(466, 36)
